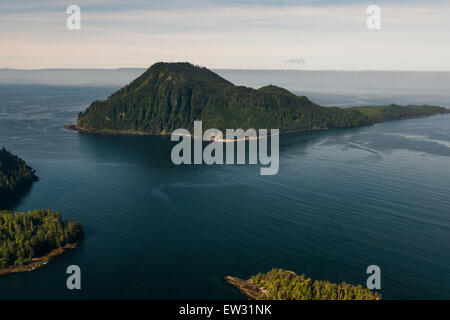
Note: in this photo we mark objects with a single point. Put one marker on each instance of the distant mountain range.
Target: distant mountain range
(325, 87)
(173, 95)
(70, 77)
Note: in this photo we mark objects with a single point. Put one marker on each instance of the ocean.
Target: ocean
(342, 200)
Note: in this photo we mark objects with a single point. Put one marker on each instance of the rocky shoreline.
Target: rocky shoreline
(247, 287)
(39, 261)
(74, 127)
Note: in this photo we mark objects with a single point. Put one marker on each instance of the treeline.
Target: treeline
(24, 236)
(279, 284)
(15, 175)
(395, 111)
(169, 96)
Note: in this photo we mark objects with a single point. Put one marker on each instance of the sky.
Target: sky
(232, 34)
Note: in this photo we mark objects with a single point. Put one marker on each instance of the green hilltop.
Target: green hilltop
(172, 95)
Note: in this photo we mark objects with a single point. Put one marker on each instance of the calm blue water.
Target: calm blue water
(342, 200)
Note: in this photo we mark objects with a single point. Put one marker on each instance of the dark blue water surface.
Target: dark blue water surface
(343, 200)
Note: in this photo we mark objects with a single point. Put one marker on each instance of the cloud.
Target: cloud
(413, 36)
(296, 60)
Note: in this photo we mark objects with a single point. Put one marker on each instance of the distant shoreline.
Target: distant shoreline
(38, 262)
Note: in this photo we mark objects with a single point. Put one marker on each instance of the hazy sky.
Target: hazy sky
(309, 34)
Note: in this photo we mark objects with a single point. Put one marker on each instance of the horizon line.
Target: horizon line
(228, 69)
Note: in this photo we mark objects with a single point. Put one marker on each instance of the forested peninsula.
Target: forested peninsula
(29, 240)
(169, 96)
(279, 284)
(15, 177)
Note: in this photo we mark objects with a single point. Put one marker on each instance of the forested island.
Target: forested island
(169, 96)
(279, 284)
(15, 177)
(29, 240)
